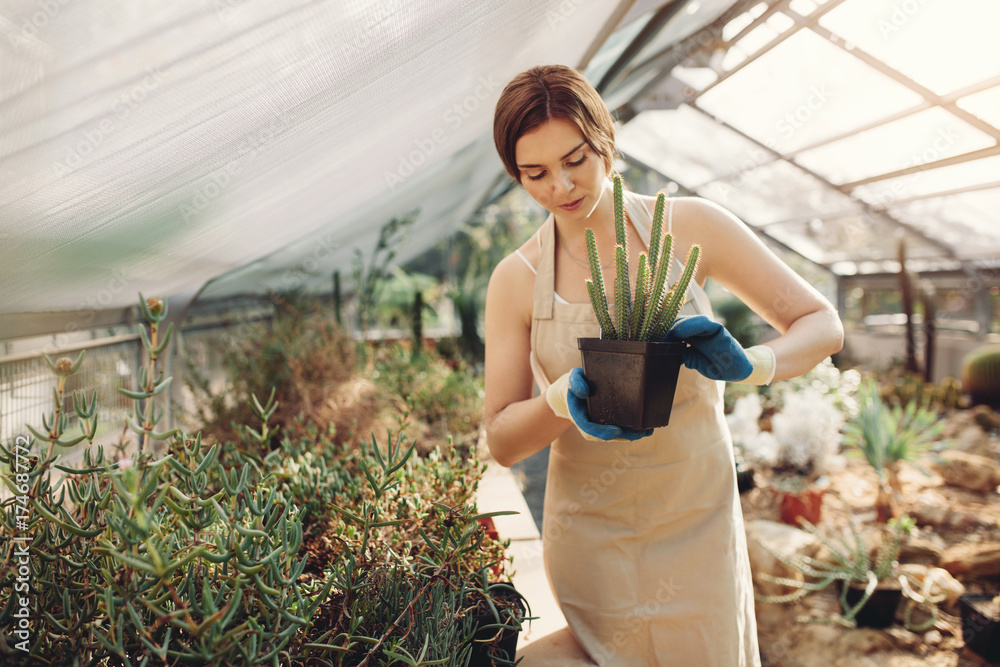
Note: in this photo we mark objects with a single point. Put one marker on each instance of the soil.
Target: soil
(787, 641)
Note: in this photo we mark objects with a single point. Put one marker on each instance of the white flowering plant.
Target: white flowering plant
(804, 438)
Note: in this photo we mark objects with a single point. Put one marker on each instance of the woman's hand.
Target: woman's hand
(567, 397)
(713, 352)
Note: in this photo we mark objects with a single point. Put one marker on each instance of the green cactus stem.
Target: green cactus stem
(623, 296)
(650, 313)
(595, 287)
(678, 294)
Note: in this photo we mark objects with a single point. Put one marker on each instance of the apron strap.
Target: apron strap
(545, 281)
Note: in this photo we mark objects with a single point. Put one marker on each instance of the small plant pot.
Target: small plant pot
(744, 476)
(632, 383)
(490, 527)
(880, 609)
(980, 628)
(805, 504)
(492, 644)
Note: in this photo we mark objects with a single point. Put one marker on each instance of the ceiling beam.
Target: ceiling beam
(617, 16)
(635, 47)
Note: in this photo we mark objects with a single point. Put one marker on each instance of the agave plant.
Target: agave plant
(650, 314)
(887, 437)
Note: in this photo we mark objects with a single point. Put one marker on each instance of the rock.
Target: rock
(782, 539)
(857, 661)
(986, 417)
(813, 646)
(977, 559)
(932, 637)
(931, 509)
(865, 641)
(968, 471)
(903, 638)
(925, 548)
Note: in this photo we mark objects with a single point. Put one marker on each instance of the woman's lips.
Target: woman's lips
(573, 205)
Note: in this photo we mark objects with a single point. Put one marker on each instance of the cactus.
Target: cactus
(650, 313)
(849, 561)
(981, 375)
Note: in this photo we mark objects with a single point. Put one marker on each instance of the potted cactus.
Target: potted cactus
(633, 373)
(870, 584)
(981, 625)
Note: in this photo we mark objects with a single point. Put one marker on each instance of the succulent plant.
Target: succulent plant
(849, 560)
(197, 557)
(650, 314)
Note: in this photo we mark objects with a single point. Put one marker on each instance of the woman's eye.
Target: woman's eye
(536, 177)
(578, 162)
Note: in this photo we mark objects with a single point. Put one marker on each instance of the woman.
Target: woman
(643, 534)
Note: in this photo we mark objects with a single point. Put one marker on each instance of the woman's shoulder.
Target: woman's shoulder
(516, 272)
(692, 209)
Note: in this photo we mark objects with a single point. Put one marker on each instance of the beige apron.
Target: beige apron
(644, 544)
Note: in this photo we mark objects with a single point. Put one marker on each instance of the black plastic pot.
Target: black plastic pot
(494, 645)
(880, 609)
(981, 633)
(632, 383)
(745, 480)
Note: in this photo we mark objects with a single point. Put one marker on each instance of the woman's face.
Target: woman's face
(560, 171)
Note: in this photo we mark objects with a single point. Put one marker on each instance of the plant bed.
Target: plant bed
(497, 623)
(632, 382)
(879, 611)
(981, 625)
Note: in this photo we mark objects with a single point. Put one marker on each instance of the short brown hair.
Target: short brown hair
(546, 93)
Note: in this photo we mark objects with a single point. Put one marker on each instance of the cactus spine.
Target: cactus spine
(651, 313)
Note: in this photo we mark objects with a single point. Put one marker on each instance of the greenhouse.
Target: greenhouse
(256, 408)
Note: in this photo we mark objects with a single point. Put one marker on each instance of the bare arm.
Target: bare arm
(733, 255)
(517, 424)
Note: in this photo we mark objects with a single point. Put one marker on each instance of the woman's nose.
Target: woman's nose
(563, 182)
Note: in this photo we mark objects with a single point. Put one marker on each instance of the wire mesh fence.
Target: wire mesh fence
(27, 384)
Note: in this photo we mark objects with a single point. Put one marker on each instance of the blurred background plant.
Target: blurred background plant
(886, 436)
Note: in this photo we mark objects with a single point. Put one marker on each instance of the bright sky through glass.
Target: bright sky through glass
(944, 46)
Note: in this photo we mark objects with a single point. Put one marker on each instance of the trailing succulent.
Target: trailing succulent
(650, 314)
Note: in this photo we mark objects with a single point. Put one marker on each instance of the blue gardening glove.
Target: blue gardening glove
(567, 397)
(714, 353)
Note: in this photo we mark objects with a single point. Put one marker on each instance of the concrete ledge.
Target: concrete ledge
(498, 491)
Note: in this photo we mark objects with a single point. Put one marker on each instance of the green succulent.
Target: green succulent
(653, 310)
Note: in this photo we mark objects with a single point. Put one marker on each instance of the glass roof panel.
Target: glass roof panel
(776, 192)
(805, 90)
(944, 46)
(695, 15)
(857, 237)
(613, 48)
(802, 7)
(686, 145)
(698, 78)
(757, 38)
(985, 104)
(967, 222)
(921, 138)
(953, 177)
